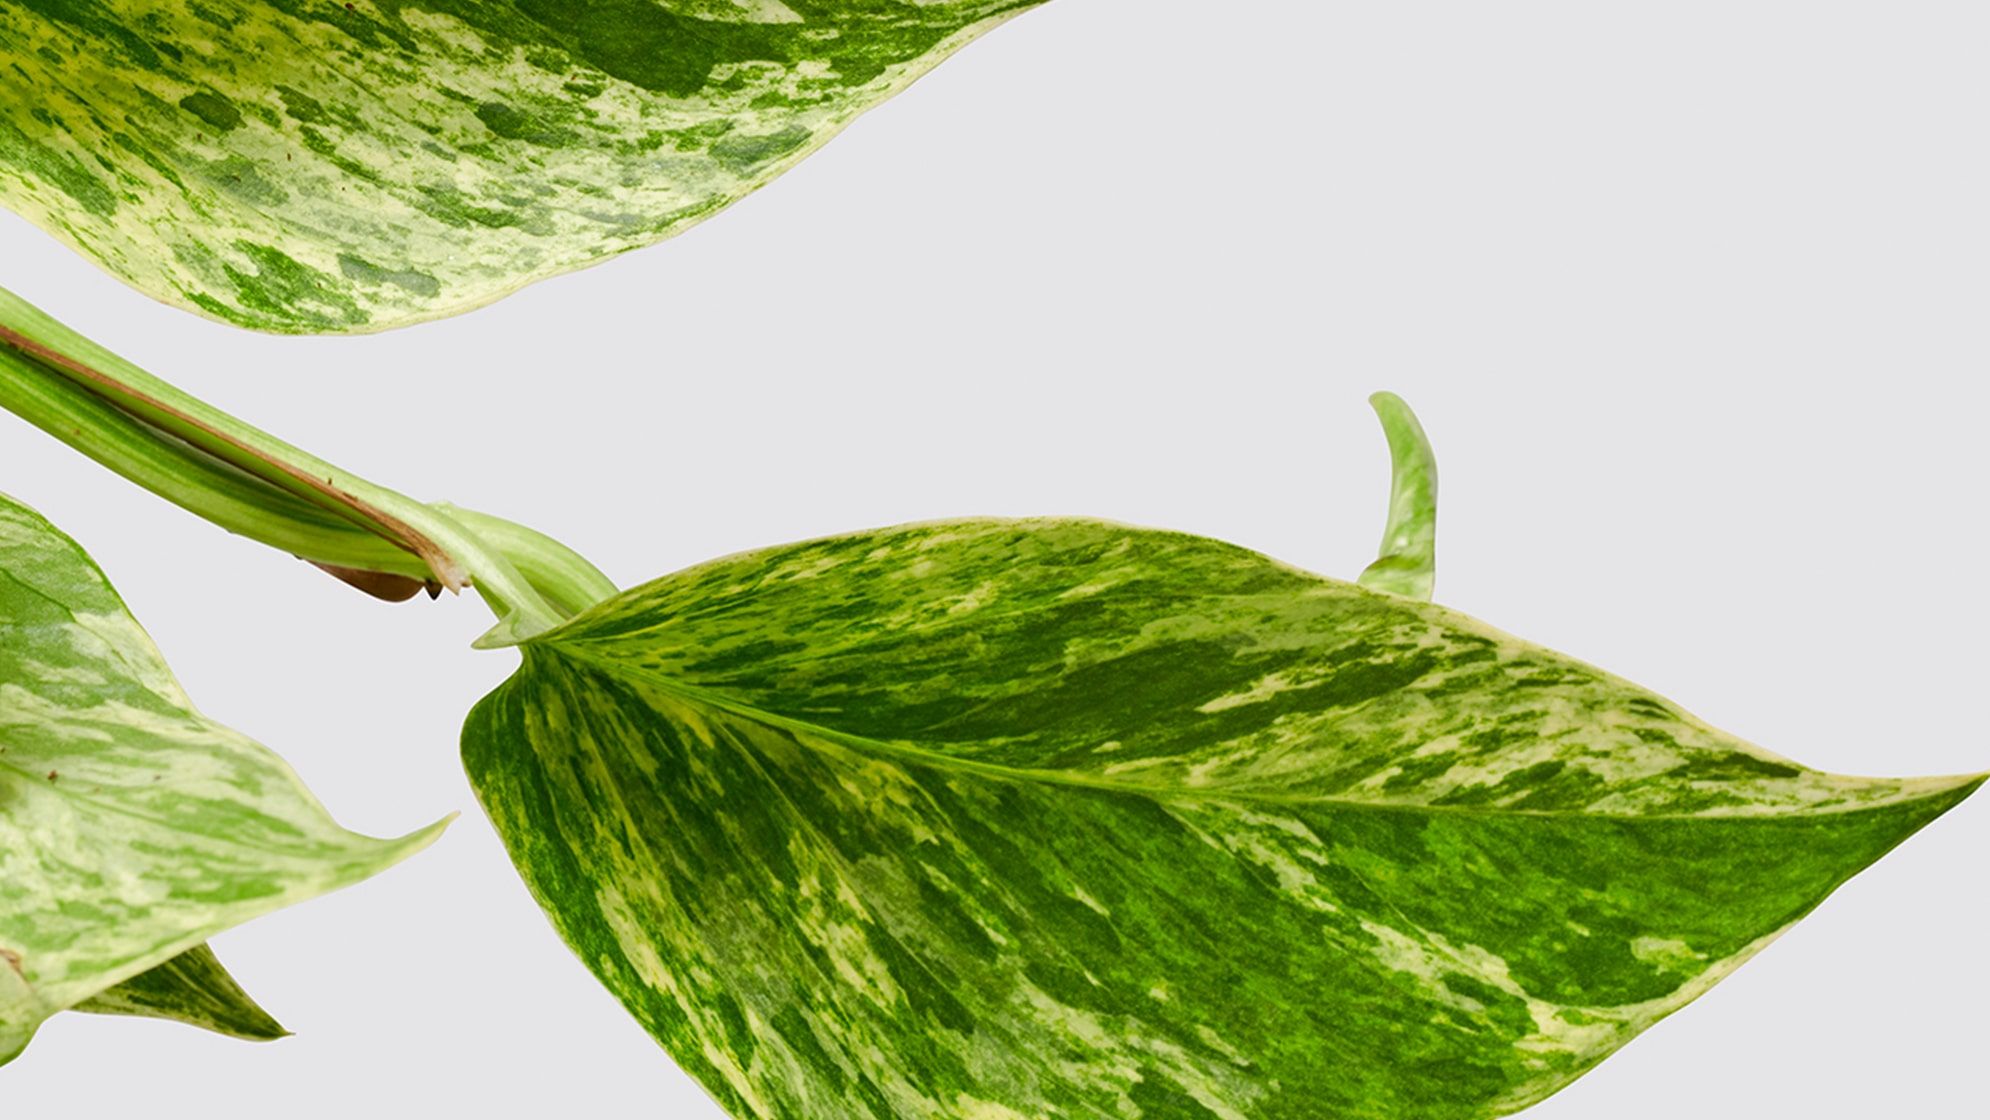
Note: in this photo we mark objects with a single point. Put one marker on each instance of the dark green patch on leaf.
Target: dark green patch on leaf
(212, 108)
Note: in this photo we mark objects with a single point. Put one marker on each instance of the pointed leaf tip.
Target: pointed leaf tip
(1407, 565)
(192, 988)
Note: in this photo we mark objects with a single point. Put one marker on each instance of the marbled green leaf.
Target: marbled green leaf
(132, 828)
(315, 166)
(191, 988)
(1022, 819)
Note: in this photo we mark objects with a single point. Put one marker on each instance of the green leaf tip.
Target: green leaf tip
(1407, 565)
(192, 988)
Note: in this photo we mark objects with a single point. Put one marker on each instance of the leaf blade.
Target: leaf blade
(355, 169)
(1049, 817)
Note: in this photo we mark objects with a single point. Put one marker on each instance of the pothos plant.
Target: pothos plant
(989, 819)
(975, 818)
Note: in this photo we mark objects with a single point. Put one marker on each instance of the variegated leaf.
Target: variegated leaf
(132, 828)
(1021, 819)
(329, 167)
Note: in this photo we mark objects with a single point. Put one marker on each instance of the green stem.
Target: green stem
(230, 498)
(252, 483)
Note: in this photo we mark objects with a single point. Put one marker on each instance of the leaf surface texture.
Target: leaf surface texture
(1014, 819)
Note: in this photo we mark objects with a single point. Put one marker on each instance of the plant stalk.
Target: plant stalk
(249, 482)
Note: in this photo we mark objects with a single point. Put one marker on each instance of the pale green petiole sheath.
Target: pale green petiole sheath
(1407, 565)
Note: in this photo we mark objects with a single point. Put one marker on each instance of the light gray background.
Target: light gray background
(1691, 297)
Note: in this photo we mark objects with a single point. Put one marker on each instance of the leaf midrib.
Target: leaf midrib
(578, 652)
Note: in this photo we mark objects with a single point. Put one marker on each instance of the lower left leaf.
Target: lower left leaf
(132, 828)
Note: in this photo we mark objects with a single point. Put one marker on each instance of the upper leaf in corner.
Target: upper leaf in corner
(327, 167)
(132, 828)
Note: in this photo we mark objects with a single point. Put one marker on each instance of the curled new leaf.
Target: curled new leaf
(1408, 563)
(326, 167)
(1063, 818)
(132, 828)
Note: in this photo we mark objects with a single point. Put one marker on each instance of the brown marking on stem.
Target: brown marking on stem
(381, 585)
(132, 403)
